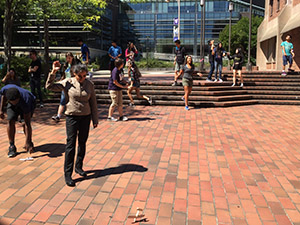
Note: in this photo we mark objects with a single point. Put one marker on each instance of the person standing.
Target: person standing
(187, 80)
(178, 61)
(81, 108)
(219, 54)
(211, 60)
(114, 52)
(115, 86)
(35, 70)
(20, 103)
(85, 52)
(238, 59)
(11, 78)
(130, 52)
(288, 54)
(67, 73)
(135, 84)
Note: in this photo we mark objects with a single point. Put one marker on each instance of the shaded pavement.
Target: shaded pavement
(238, 165)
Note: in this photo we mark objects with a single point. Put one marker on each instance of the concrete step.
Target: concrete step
(278, 102)
(277, 97)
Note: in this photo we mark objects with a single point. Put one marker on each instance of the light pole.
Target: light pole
(249, 65)
(202, 37)
(229, 39)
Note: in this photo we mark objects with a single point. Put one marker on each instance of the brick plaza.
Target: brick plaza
(237, 165)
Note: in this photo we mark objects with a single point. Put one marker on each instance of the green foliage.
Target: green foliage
(240, 34)
(21, 65)
(154, 63)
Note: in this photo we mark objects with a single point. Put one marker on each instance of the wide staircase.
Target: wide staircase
(259, 88)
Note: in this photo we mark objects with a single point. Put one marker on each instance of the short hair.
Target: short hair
(119, 62)
(177, 42)
(12, 94)
(32, 51)
(79, 68)
(288, 35)
(79, 40)
(114, 41)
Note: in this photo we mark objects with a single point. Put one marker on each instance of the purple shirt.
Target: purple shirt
(117, 75)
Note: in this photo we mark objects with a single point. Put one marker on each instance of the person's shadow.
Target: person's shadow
(51, 150)
(123, 168)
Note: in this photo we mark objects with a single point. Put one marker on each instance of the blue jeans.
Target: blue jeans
(218, 67)
(212, 68)
(35, 83)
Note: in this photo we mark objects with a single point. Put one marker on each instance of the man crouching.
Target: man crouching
(21, 103)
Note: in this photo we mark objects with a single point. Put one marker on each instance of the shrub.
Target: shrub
(21, 65)
(154, 63)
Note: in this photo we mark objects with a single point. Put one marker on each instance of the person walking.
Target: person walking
(11, 78)
(21, 103)
(81, 108)
(85, 52)
(178, 61)
(114, 52)
(211, 60)
(288, 54)
(238, 59)
(115, 86)
(135, 84)
(187, 80)
(67, 73)
(219, 54)
(35, 70)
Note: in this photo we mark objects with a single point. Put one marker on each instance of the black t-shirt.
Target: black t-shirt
(180, 53)
(211, 57)
(36, 74)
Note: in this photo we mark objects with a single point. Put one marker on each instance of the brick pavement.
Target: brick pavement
(236, 165)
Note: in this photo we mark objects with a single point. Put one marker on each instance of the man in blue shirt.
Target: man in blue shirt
(21, 103)
(85, 52)
(288, 54)
(114, 52)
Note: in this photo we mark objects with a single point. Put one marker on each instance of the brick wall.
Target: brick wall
(276, 11)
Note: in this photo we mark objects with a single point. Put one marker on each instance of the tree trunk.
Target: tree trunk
(46, 46)
(7, 31)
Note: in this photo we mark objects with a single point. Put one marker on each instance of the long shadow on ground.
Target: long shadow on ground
(123, 168)
(51, 150)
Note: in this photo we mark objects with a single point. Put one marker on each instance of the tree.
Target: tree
(240, 34)
(76, 11)
(13, 10)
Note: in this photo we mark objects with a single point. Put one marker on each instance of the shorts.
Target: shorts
(136, 84)
(62, 99)
(287, 59)
(116, 98)
(187, 82)
(238, 66)
(178, 67)
(13, 112)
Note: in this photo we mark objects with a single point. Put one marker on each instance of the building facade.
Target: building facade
(281, 19)
(151, 22)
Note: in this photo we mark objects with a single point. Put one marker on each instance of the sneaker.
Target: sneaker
(291, 70)
(111, 119)
(175, 83)
(12, 151)
(182, 98)
(242, 85)
(187, 108)
(208, 80)
(123, 118)
(41, 105)
(232, 85)
(283, 73)
(131, 104)
(56, 118)
(220, 80)
(215, 80)
(150, 101)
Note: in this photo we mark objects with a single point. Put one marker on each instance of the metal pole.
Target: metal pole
(202, 39)
(249, 65)
(229, 38)
(178, 1)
